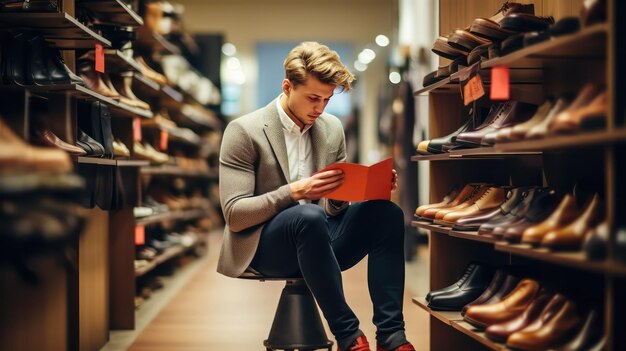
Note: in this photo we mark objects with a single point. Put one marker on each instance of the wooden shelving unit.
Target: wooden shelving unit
(116, 61)
(59, 28)
(550, 68)
(181, 215)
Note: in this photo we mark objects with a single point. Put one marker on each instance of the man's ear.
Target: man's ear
(286, 86)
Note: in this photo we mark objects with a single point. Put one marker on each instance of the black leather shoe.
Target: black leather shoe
(36, 66)
(471, 289)
(596, 242)
(524, 22)
(89, 144)
(435, 146)
(620, 245)
(494, 286)
(468, 271)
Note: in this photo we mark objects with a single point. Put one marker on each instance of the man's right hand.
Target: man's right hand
(317, 185)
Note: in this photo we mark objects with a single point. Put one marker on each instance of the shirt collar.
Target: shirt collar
(289, 125)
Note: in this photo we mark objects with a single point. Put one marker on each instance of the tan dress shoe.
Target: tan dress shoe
(149, 73)
(490, 199)
(592, 116)
(478, 192)
(540, 130)
(461, 197)
(119, 149)
(93, 80)
(572, 236)
(506, 309)
(123, 86)
(564, 214)
(447, 199)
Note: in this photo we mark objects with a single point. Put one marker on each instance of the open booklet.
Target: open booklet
(363, 182)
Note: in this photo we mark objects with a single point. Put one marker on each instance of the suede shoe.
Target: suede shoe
(405, 347)
(360, 344)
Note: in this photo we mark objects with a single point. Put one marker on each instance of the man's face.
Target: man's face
(306, 102)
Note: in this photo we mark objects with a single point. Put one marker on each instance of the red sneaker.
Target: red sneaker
(360, 344)
(405, 347)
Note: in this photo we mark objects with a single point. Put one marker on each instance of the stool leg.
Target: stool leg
(297, 323)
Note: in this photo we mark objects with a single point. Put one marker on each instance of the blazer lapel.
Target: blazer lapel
(274, 132)
(318, 145)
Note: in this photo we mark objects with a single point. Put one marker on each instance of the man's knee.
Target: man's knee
(384, 209)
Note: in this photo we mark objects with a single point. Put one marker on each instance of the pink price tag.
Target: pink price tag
(99, 58)
(140, 235)
(500, 83)
(163, 140)
(136, 128)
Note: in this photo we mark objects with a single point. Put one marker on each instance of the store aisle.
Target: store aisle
(214, 312)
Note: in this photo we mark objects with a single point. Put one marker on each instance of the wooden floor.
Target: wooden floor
(213, 312)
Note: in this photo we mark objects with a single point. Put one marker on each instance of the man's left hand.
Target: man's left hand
(394, 180)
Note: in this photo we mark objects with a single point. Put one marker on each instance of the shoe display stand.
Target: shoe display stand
(557, 161)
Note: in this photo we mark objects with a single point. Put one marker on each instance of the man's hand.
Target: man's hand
(394, 180)
(317, 185)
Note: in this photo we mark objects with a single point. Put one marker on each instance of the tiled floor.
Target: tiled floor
(202, 310)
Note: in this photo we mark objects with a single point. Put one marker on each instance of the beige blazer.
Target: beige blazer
(254, 177)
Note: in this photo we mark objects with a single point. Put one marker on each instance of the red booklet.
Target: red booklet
(363, 182)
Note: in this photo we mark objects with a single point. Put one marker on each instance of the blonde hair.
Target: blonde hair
(320, 61)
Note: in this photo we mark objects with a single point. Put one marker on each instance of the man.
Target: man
(268, 189)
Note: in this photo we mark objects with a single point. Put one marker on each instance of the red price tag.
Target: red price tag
(136, 128)
(99, 58)
(500, 83)
(140, 235)
(163, 140)
(473, 90)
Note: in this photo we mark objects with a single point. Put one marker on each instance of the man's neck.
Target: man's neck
(290, 114)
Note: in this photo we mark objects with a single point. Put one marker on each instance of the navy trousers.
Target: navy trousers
(303, 240)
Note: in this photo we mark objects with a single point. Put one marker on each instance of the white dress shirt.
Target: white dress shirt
(298, 145)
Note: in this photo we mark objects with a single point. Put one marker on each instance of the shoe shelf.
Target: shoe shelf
(59, 28)
(113, 12)
(165, 256)
(176, 171)
(173, 137)
(431, 226)
(455, 320)
(468, 235)
(180, 215)
(588, 43)
(476, 153)
(109, 162)
(527, 63)
(569, 259)
(472, 235)
(118, 62)
(567, 141)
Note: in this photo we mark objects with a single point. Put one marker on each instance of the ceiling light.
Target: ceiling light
(395, 77)
(382, 40)
(229, 49)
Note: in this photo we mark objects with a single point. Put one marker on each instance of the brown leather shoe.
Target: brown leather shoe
(492, 198)
(17, 156)
(510, 307)
(501, 331)
(572, 236)
(510, 113)
(50, 139)
(555, 330)
(564, 214)
(591, 116)
(518, 131)
(584, 97)
(473, 222)
(463, 195)
(466, 41)
(93, 80)
(490, 27)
